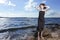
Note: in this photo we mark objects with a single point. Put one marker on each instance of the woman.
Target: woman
(41, 21)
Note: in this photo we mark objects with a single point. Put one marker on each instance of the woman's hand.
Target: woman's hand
(47, 8)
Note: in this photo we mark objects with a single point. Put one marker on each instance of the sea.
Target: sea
(19, 28)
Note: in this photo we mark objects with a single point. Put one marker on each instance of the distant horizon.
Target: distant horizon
(27, 17)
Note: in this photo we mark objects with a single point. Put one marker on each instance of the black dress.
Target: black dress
(41, 22)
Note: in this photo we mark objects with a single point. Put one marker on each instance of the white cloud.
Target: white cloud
(11, 4)
(55, 14)
(21, 14)
(2, 1)
(52, 13)
(29, 5)
(43, 1)
(7, 2)
(49, 12)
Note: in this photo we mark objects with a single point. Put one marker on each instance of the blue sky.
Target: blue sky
(24, 8)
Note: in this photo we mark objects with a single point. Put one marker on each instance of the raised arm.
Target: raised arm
(47, 8)
(37, 7)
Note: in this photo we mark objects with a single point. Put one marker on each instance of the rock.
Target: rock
(30, 38)
(54, 35)
(46, 32)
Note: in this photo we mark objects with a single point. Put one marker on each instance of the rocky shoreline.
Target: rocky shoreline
(50, 32)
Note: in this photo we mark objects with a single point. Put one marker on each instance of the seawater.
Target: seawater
(18, 22)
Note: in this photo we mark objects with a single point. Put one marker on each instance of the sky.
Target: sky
(25, 8)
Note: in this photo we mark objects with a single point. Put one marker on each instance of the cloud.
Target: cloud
(7, 2)
(11, 4)
(20, 14)
(23, 14)
(52, 13)
(49, 12)
(43, 1)
(29, 5)
(2, 1)
(55, 14)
